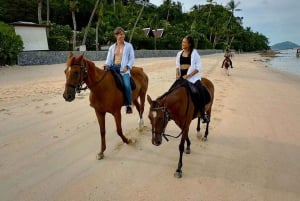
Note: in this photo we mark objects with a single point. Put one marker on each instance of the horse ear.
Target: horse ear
(80, 58)
(71, 54)
(149, 99)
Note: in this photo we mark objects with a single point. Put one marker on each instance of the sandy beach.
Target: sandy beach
(48, 146)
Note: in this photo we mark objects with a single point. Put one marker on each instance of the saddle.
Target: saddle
(193, 91)
(120, 83)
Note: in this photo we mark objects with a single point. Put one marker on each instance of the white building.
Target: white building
(33, 35)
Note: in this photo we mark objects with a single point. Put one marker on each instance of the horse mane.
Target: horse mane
(177, 84)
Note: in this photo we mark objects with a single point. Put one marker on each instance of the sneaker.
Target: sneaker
(128, 110)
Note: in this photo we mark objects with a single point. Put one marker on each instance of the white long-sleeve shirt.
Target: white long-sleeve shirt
(127, 56)
(196, 64)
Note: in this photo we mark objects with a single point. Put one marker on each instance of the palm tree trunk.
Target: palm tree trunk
(74, 31)
(137, 19)
(40, 4)
(100, 15)
(89, 23)
(48, 18)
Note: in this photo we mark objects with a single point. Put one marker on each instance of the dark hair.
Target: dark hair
(190, 41)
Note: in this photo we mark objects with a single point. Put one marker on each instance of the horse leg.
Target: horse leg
(207, 125)
(188, 143)
(206, 132)
(178, 172)
(118, 119)
(101, 122)
(140, 109)
(198, 125)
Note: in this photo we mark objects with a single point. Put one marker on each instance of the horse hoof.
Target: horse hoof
(178, 174)
(131, 141)
(100, 156)
(199, 136)
(204, 139)
(188, 151)
(141, 124)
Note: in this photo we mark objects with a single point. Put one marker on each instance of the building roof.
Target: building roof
(27, 24)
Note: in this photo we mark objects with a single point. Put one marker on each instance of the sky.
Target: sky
(278, 20)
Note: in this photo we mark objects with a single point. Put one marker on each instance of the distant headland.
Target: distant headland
(284, 46)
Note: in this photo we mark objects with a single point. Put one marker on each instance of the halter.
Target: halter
(167, 118)
(83, 78)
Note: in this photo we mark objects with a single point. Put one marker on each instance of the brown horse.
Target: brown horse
(177, 105)
(227, 64)
(104, 93)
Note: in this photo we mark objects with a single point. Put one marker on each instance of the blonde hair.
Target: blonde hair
(118, 30)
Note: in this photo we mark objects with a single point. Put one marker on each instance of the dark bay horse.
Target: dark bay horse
(176, 104)
(227, 64)
(104, 94)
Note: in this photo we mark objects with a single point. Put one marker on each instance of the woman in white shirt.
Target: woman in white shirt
(188, 66)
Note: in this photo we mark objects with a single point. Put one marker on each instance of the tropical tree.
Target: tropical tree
(231, 7)
(137, 19)
(210, 3)
(73, 7)
(48, 17)
(40, 6)
(90, 21)
(100, 17)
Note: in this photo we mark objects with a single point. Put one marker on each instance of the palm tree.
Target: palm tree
(73, 8)
(232, 6)
(48, 17)
(137, 19)
(210, 2)
(100, 16)
(40, 5)
(89, 23)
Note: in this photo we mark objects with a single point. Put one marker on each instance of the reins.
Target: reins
(83, 80)
(167, 115)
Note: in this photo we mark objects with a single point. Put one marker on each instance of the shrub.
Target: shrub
(11, 45)
(60, 37)
(58, 43)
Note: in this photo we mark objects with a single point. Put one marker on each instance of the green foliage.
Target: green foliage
(212, 25)
(60, 37)
(58, 43)
(10, 45)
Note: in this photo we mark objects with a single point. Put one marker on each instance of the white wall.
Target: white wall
(34, 38)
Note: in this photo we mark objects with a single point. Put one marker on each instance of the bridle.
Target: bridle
(167, 118)
(83, 78)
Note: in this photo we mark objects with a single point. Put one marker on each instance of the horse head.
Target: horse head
(159, 118)
(76, 75)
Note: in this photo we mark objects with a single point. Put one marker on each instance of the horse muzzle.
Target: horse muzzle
(69, 96)
(156, 142)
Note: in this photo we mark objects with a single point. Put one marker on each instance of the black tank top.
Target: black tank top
(184, 61)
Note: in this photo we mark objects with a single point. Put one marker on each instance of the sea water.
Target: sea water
(286, 61)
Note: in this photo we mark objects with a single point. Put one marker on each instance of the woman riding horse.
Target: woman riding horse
(188, 66)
